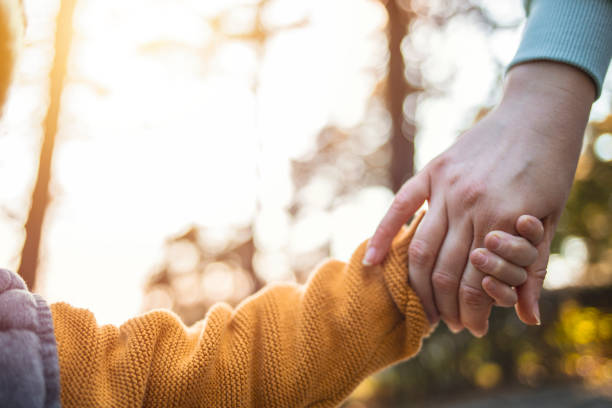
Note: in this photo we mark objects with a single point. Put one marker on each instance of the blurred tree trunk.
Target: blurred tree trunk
(40, 196)
(402, 137)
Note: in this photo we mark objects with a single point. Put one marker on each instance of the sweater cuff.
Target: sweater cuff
(577, 33)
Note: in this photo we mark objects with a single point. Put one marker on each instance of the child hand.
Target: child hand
(505, 258)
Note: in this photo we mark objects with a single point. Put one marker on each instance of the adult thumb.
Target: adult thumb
(407, 201)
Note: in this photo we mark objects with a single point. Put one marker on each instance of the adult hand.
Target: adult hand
(520, 159)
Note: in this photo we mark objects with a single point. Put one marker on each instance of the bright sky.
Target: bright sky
(153, 141)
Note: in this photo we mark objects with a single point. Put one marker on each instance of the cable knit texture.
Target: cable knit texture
(29, 375)
(286, 346)
(575, 32)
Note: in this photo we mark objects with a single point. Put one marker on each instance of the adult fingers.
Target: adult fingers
(527, 307)
(530, 228)
(447, 273)
(498, 267)
(474, 304)
(513, 249)
(503, 294)
(422, 255)
(409, 198)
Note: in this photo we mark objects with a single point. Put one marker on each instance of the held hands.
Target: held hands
(520, 159)
(509, 264)
(505, 258)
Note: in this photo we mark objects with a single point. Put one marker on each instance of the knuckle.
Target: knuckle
(515, 276)
(496, 268)
(473, 298)
(402, 199)
(439, 163)
(419, 253)
(520, 249)
(444, 283)
(383, 230)
(511, 246)
(471, 193)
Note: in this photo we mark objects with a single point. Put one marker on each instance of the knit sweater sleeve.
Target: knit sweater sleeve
(575, 32)
(286, 346)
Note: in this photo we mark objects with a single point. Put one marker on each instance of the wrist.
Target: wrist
(551, 100)
(547, 80)
(546, 105)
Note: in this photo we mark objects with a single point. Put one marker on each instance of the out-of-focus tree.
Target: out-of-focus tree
(398, 87)
(204, 265)
(223, 271)
(378, 152)
(585, 229)
(30, 253)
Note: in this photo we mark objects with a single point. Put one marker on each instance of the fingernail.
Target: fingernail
(368, 259)
(494, 240)
(480, 334)
(455, 328)
(536, 313)
(478, 258)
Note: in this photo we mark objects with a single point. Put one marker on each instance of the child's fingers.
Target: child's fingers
(504, 295)
(530, 228)
(513, 249)
(492, 264)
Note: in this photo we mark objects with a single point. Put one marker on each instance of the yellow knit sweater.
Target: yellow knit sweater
(286, 346)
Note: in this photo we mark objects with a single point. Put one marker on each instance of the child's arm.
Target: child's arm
(287, 346)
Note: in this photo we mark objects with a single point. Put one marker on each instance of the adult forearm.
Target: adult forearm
(553, 101)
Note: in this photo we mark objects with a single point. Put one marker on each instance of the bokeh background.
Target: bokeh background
(168, 153)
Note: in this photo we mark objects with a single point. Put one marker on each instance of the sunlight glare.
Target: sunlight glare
(271, 229)
(603, 147)
(357, 218)
(218, 282)
(310, 231)
(566, 268)
(273, 267)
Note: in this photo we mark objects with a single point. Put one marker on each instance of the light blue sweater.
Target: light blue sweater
(575, 32)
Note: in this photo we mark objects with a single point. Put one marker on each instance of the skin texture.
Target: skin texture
(506, 257)
(520, 159)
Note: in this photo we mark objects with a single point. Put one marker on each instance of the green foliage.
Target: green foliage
(588, 214)
(572, 344)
